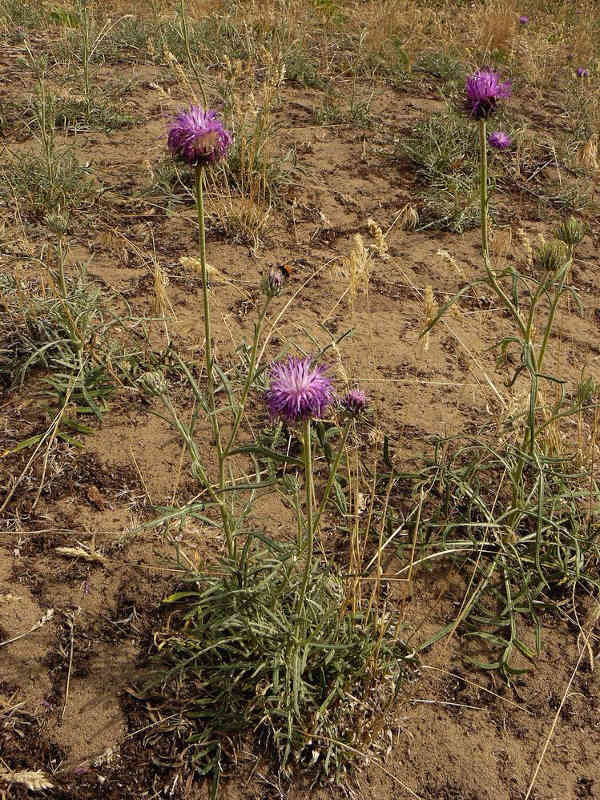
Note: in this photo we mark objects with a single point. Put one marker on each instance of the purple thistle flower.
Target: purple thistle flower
(483, 92)
(273, 282)
(523, 20)
(499, 140)
(198, 137)
(299, 390)
(582, 72)
(354, 402)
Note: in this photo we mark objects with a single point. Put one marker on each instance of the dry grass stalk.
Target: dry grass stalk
(430, 309)
(381, 247)
(358, 267)
(161, 303)
(408, 218)
(179, 72)
(526, 245)
(33, 780)
(497, 24)
(588, 154)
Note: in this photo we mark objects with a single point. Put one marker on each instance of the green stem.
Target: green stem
(553, 312)
(249, 378)
(86, 54)
(308, 543)
(483, 180)
(212, 408)
(484, 201)
(333, 473)
(61, 269)
(188, 52)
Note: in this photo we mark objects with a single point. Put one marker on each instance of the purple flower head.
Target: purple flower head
(582, 72)
(354, 402)
(499, 140)
(198, 137)
(273, 282)
(523, 20)
(483, 92)
(299, 390)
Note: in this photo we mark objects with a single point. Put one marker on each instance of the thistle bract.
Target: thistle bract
(551, 256)
(484, 89)
(299, 390)
(354, 402)
(198, 137)
(499, 140)
(273, 282)
(571, 232)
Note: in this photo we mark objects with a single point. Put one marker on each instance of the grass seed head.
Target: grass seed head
(526, 244)
(588, 154)
(409, 218)
(449, 258)
(381, 246)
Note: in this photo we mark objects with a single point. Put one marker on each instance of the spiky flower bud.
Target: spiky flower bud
(570, 231)
(551, 256)
(354, 402)
(273, 282)
(153, 383)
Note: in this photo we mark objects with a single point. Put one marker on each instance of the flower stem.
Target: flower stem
(310, 530)
(483, 180)
(209, 356)
(251, 367)
(188, 52)
(332, 473)
(205, 299)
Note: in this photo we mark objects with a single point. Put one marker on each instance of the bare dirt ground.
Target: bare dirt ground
(68, 700)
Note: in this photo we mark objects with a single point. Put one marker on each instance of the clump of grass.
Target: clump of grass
(313, 693)
(355, 112)
(444, 67)
(51, 180)
(16, 15)
(75, 113)
(442, 149)
(58, 333)
(300, 68)
(41, 187)
(521, 560)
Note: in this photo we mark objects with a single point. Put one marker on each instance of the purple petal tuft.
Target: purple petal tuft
(354, 402)
(499, 140)
(484, 89)
(198, 137)
(299, 390)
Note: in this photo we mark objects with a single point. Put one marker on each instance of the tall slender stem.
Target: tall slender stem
(205, 299)
(332, 473)
(248, 383)
(483, 179)
(188, 52)
(212, 407)
(310, 530)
